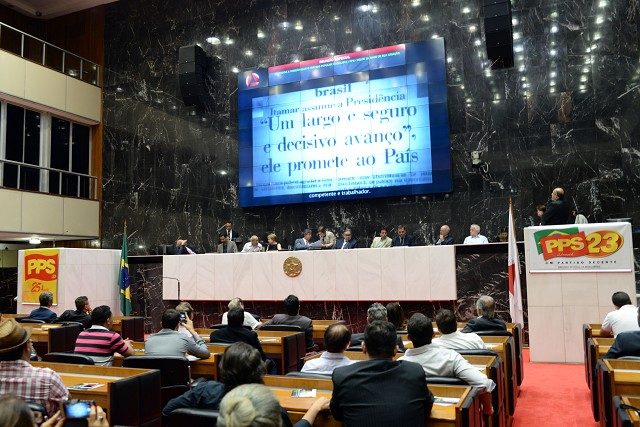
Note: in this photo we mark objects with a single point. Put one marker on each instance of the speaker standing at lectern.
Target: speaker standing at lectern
(558, 210)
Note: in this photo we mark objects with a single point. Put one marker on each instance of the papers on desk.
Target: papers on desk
(446, 401)
(191, 358)
(84, 386)
(300, 392)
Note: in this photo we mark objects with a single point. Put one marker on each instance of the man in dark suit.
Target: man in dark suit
(376, 311)
(292, 306)
(402, 239)
(235, 332)
(82, 313)
(625, 344)
(444, 238)
(229, 231)
(558, 210)
(380, 391)
(184, 249)
(43, 312)
(346, 241)
(486, 320)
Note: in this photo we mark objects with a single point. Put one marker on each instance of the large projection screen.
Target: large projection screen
(359, 125)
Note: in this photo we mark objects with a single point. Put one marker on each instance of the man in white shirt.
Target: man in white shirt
(252, 245)
(451, 337)
(336, 342)
(475, 238)
(249, 320)
(623, 319)
(443, 362)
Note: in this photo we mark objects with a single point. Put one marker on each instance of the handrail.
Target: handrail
(92, 188)
(45, 60)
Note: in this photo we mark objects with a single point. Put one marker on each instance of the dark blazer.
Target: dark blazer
(557, 213)
(408, 241)
(44, 314)
(357, 339)
(447, 241)
(625, 344)
(381, 393)
(234, 233)
(230, 335)
(75, 316)
(351, 244)
(182, 250)
(304, 322)
(485, 324)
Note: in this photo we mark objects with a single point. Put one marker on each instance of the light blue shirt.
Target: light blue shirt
(326, 363)
(477, 240)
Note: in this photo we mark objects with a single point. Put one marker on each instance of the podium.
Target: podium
(572, 271)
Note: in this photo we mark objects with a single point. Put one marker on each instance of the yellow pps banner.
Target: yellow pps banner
(40, 274)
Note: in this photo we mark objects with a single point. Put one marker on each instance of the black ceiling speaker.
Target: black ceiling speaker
(192, 75)
(498, 30)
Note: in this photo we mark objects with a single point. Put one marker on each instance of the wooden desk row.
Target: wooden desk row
(466, 412)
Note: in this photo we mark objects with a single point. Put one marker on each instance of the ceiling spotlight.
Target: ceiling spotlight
(435, 36)
(223, 172)
(554, 29)
(552, 74)
(466, 10)
(473, 29)
(228, 41)
(425, 18)
(298, 26)
(235, 70)
(34, 241)
(213, 40)
(553, 52)
(248, 53)
(260, 34)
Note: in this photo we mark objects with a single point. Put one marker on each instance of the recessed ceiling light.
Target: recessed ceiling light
(213, 40)
(34, 241)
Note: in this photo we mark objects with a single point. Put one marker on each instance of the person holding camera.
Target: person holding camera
(170, 342)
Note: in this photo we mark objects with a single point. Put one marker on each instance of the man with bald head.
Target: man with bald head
(252, 245)
(336, 342)
(558, 210)
(444, 238)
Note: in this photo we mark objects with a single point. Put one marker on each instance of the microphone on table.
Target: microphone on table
(176, 279)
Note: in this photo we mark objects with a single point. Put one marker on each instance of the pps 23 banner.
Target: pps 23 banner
(603, 247)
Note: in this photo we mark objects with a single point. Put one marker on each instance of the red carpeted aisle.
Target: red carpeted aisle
(553, 395)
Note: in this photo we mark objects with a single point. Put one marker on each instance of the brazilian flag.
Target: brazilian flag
(123, 277)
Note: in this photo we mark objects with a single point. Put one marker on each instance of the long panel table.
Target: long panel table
(424, 273)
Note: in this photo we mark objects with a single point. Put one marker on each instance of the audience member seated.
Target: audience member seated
(346, 241)
(253, 245)
(395, 315)
(250, 405)
(474, 237)
(623, 319)
(380, 391)
(402, 238)
(249, 320)
(443, 362)
(381, 241)
(451, 337)
(99, 342)
(18, 377)
(625, 344)
(170, 342)
(184, 308)
(292, 306)
(376, 311)
(303, 243)
(43, 312)
(81, 314)
(240, 364)
(486, 320)
(15, 412)
(235, 332)
(336, 342)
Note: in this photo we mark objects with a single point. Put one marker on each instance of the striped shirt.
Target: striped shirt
(100, 344)
(40, 385)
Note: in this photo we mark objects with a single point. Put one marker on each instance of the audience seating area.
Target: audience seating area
(614, 384)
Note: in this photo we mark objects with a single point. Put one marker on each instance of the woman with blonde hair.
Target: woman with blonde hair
(250, 405)
(273, 244)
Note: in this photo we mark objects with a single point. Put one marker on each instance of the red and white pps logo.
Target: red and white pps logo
(253, 80)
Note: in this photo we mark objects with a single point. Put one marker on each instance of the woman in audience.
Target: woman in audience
(273, 244)
(395, 315)
(240, 364)
(250, 405)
